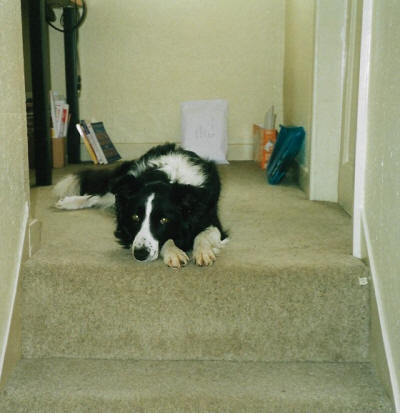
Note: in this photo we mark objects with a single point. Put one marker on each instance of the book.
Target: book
(88, 130)
(109, 151)
(62, 126)
(53, 110)
(59, 110)
(86, 141)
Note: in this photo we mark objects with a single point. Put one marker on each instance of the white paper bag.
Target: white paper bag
(204, 128)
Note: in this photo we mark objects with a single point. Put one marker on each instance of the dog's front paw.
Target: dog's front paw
(173, 256)
(207, 245)
(203, 255)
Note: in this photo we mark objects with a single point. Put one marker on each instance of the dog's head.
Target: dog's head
(148, 214)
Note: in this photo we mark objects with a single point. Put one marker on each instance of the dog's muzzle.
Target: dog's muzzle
(143, 253)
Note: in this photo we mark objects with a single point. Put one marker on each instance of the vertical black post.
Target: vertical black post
(71, 77)
(40, 67)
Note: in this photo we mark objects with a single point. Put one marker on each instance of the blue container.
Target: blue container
(287, 146)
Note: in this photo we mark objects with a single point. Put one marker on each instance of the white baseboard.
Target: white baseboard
(236, 151)
(304, 180)
(35, 236)
(382, 319)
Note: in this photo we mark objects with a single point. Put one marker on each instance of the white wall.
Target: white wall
(13, 161)
(382, 182)
(140, 59)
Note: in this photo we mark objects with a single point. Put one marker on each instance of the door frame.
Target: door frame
(350, 106)
(328, 81)
(329, 69)
(359, 249)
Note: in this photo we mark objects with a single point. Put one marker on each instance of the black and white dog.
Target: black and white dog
(166, 203)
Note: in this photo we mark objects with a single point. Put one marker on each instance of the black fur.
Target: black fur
(189, 209)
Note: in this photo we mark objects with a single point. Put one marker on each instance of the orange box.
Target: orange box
(59, 146)
(264, 143)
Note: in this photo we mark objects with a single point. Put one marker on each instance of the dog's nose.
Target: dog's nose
(141, 253)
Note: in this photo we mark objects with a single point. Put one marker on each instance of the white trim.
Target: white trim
(304, 179)
(328, 84)
(394, 380)
(362, 128)
(23, 233)
(312, 143)
(34, 236)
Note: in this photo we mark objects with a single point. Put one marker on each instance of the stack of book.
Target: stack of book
(97, 142)
(59, 115)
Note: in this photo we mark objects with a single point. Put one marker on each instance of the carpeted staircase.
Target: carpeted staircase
(280, 323)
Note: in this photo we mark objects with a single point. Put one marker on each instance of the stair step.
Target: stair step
(285, 288)
(225, 312)
(65, 385)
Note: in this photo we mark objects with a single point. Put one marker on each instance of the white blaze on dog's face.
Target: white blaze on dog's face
(145, 247)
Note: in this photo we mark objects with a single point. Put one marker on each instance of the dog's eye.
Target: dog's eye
(164, 220)
(135, 217)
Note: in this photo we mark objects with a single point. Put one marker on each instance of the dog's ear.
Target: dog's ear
(124, 186)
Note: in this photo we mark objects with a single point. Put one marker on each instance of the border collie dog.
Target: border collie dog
(166, 203)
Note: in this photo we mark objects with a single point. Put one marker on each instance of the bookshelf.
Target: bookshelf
(40, 73)
(41, 83)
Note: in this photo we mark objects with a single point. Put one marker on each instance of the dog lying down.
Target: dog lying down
(166, 204)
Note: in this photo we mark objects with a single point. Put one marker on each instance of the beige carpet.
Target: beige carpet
(279, 323)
